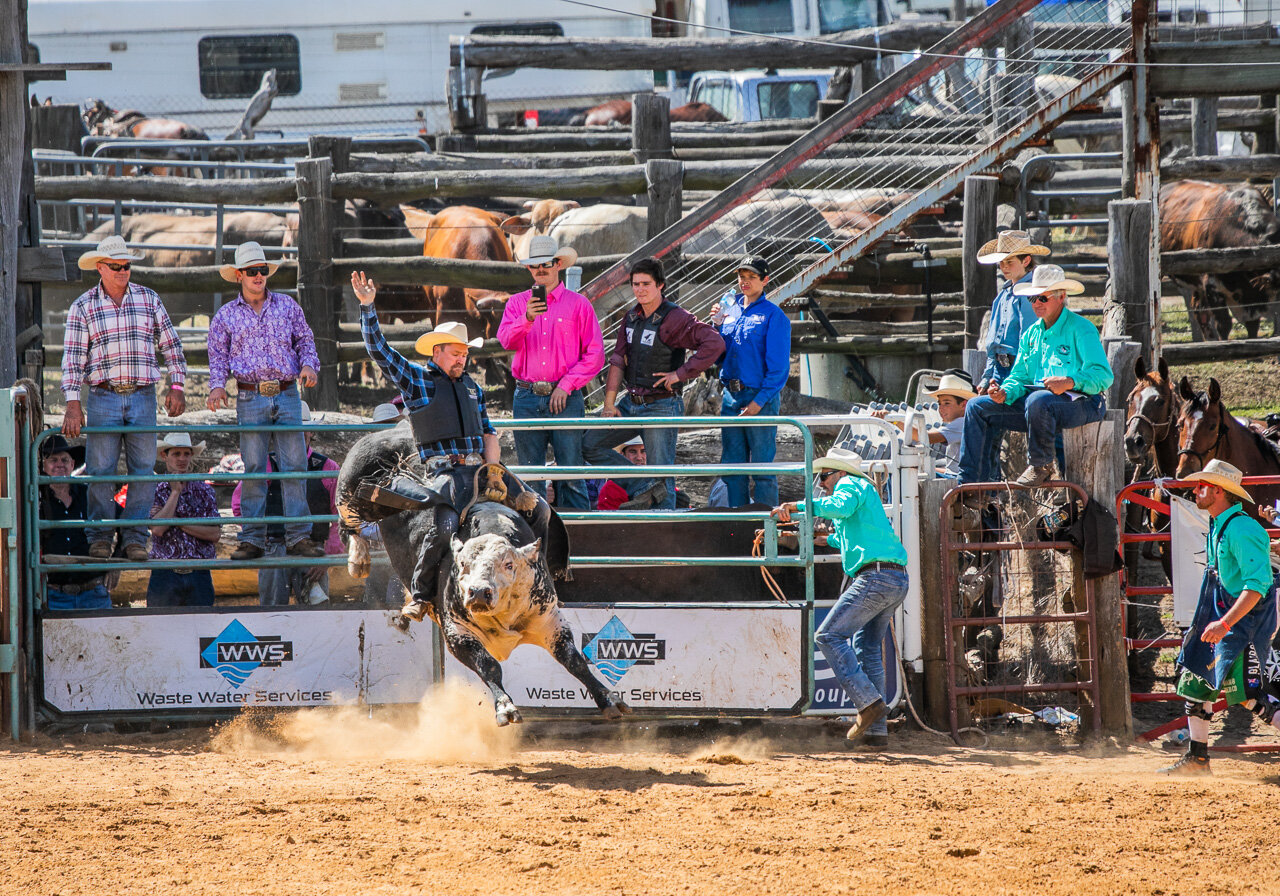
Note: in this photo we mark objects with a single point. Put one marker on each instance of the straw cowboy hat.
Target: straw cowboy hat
(113, 248)
(1047, 278)
(178, 440)
(1009, 242)
(954, 385)
(630, 443)
(841, 459)
(543, 248)
(454, 333)
(1224, 476)
(384, 413)
(247, 255)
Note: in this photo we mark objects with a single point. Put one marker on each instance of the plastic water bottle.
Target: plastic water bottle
(729, 310)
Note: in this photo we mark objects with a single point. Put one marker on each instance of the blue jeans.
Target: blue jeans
(863, 613)
(291, 454)
(749, 444)
(276, 583)
(659, 443)
(168, 588)
(102, 407)
(566, 444)
(1040, 414)
(93, 599)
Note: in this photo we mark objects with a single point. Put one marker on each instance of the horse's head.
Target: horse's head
(96, 115)
(1202, 422)
(1152, 411)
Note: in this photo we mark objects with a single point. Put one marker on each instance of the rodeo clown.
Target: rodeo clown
(1236, 614)
(454, 440)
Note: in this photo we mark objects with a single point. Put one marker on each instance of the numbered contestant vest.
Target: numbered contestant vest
(452, 413)
(646, 353)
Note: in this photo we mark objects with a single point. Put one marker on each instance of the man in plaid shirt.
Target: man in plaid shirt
(109, 374)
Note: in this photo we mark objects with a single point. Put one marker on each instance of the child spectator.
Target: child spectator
(180, 499)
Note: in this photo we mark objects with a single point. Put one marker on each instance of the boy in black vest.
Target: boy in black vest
(659, 346)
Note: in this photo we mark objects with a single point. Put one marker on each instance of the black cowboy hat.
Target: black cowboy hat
(56, 444)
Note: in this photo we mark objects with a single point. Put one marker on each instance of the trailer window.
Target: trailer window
(788, 99)
(522, 29)
(761, 16)
(232, 67)
(843, 15)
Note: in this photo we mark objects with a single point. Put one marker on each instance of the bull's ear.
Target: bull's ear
(1215, 392)
(530, 551)
(572, 203)
(456, 544)
(1163, 367)
(516, 225)
(1184, 389)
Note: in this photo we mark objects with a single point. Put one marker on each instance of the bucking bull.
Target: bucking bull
(492, 589)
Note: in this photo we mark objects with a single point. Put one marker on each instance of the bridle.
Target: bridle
(1212, 449)
(1156, 434)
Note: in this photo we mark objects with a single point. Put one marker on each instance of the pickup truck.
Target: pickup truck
(759, 95)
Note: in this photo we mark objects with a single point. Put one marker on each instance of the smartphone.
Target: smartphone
(538, 301)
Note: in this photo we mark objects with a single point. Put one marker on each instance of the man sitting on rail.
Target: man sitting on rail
(1058, 381)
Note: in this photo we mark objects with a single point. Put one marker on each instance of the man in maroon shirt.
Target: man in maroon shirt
(659, 346)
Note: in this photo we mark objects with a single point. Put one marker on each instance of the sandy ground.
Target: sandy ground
(434, 799)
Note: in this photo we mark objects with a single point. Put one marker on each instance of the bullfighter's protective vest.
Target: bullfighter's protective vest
(452, 413)
(646, 353)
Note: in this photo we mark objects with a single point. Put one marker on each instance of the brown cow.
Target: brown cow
(617, 113)
(1195, 214)
(468, 233)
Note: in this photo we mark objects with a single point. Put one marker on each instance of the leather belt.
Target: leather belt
(541, 388)
(735, 385)
(879, 566)
(438, 462)
(268, 388)
(650, 397)
(78, 589)
(120, 389)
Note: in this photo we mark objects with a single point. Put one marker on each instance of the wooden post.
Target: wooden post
(1204, 126)
(932, 636)
(979, 279)
(338, 149)
(650, 127)
(959, 10)
(1121, 354)
(1095, 461)
(1128, 251)
(14, 151)
(1145, 153)
(665, 180)
(317, 293)
(57, 127)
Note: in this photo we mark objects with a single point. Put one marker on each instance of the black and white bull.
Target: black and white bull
(494, 588)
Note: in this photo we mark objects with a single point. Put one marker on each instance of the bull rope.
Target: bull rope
(496, 490)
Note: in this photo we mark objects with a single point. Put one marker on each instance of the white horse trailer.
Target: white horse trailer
(378, 66)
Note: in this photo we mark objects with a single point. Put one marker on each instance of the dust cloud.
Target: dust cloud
(452, 725)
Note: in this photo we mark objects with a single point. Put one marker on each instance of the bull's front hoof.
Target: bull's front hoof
(507, 713)
(615, 711)
(359, 570)
(415, 610)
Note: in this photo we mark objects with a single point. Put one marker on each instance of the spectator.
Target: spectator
(613, 495)
(307, 585)
(649, 357)
(757, 360)
(261, 339)
(179, 499)
(110, 344)
(953, 394)
(67, 589)
(558, 350)
(387, 413)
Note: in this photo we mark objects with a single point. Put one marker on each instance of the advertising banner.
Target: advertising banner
(176, 661)
(829, 697)
(697, 659)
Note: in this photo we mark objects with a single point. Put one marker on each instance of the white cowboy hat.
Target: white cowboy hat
(841, 459)
(178, 440)
(1047, 278)
(954, 385)
(454, 333)
(385, 412)
(247, 255)
(113, 248)
(630, 443)
(1009, 242)
(1222, 474)
(306, 413)
(543, 248)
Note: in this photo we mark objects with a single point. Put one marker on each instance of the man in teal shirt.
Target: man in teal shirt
(1058, 381)
(875, 562)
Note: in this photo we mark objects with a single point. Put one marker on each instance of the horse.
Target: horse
(1209, 430)
(104, 121)
(1151, 445)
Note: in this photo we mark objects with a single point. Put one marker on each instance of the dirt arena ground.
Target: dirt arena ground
(437, 800)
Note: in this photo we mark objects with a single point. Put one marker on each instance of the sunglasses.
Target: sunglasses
(1036, 300)
(261, 270)
(117, 267)
(826, 474)
(545, 266)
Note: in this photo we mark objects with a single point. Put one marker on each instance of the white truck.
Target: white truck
(760, 95)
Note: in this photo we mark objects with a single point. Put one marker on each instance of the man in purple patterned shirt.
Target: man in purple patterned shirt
(182, 499)
(263, 342)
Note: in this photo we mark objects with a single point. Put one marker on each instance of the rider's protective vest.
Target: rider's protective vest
(452, 413)
(646, 353)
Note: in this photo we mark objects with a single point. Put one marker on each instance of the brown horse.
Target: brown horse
(103, 121)
(1211, 431)
(1151, 432)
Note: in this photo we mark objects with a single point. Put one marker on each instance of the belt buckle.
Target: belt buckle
(542, 390)
(472, 460)
(124, 388)
(269, 388)
(438, 463)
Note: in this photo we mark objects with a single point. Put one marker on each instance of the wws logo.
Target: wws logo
(614, 650)
(236, 653)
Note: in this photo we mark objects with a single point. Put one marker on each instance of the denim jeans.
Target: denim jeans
(93, 599)
(749, 444)
(1040, 414)
(863, 613)
(168, 588)
(566, 444)
(291, 455)
(102, 407)
(659, 443)
(276, 583)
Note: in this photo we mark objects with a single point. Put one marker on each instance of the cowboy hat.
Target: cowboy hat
(454, 333)
(247, 255)
(841, 459)
(178, 440)
(954, 385)
(543, 248)
(113, 248)
(1224, 476)
(630, 443)
(385, 412)
(57, 444)
(1009, 242)
(1047, 278)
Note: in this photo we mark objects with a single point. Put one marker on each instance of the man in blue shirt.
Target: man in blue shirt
(757, 359)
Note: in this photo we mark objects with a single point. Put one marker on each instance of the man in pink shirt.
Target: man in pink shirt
(558, 350)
